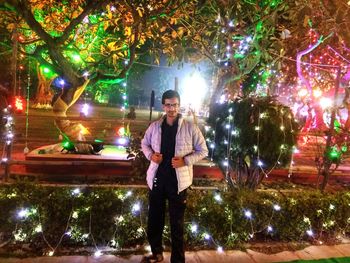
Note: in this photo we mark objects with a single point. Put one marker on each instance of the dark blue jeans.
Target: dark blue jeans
(165, 190)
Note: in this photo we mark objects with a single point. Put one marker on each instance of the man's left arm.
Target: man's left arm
(200, 149)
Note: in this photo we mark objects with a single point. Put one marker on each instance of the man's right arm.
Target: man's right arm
(146, 143)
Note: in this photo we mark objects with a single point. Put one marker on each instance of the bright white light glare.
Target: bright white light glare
(206, 236)
(220, 249)
(194, 228)
(310, 232)
(260, 163)
(248, 214)
(193, 91)
(136, 207)
(325, 103)
(269, 229)
(217, 197)
(50, 254)
(23, 213)
(86, 74)
(98, 253)
(85, 109)
(122, 141)
(277, 207)
(128, 193)
(317, 93)
(76, 191)
(296, 150)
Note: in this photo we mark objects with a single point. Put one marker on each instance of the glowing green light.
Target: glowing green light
(238, 55)
(67, 143)
(337, 126)
(259, 26)
(76, 58)
(334, 155)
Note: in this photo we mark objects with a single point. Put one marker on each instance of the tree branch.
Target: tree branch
(92, 5)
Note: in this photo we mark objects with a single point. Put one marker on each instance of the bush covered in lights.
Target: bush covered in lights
(250, 137)
(110, 220)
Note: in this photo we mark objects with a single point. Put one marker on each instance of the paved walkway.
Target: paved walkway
(206, 256)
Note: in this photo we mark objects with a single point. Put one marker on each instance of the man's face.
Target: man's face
(171, 107)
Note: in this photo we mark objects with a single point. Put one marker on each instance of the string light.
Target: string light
(276, 207)
(98, 253)
(220, 249)
(310, 232)
(248, 214)
(136, 207)
(269, 229)
(27, 213)
(194, 228)
(23, 213)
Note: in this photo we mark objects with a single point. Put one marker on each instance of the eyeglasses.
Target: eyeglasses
(169, 105)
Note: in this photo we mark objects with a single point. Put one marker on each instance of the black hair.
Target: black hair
(169, 94)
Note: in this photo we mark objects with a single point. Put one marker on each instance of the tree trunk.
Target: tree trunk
(44, 94)
(74, 130)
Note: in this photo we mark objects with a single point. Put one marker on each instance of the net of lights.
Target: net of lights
(114, 218)
(245, 129)
(8, 133)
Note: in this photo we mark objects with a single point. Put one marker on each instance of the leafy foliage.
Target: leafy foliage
(252, 136)
(107, 217)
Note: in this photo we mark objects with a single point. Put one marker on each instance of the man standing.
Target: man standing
(173, 145)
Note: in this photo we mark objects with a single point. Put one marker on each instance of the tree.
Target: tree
(98, 38)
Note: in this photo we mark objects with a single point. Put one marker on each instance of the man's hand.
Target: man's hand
(177, 162)
(157, 158)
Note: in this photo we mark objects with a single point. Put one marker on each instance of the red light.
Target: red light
(120, 131)
(18, 103)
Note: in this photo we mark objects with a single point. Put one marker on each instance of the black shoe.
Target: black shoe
(152, 258)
